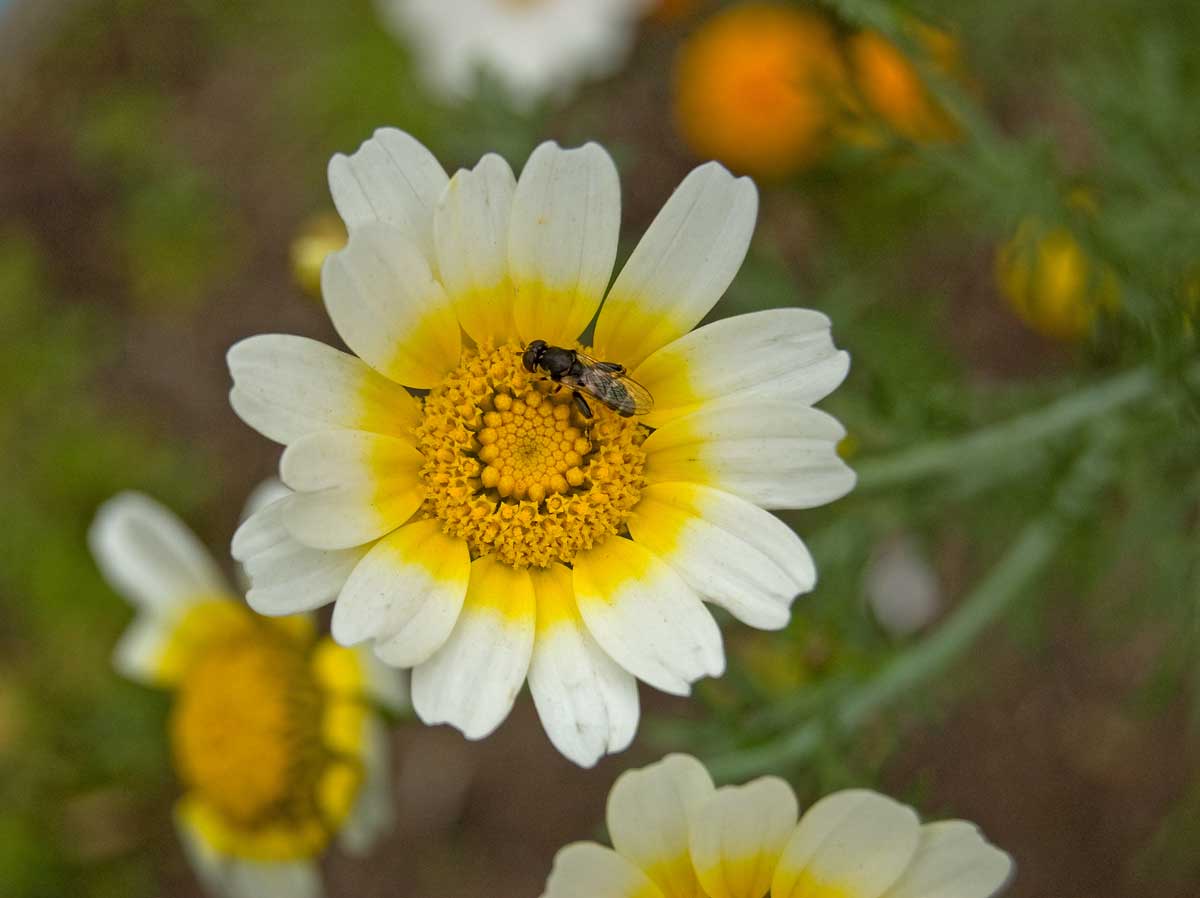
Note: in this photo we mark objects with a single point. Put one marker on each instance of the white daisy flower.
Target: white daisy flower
(273, 731)
(488, 530)
(674, 835)
(536, 48)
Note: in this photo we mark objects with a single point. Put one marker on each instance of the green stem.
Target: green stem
(1088, 404)
(1010, 579)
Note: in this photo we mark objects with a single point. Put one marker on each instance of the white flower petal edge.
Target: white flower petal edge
(646, 617)
(392, 178)
(953, 861)
(286, 387)
(295, 879)
(784, 355)
(562, 241)
(588, 870)
(587, 703)
(236, 878)
(384, 301)
(826, 850)
(774, 454)
(472, 681)
(738, 835)
(286, 576)
(682, 266)
(406, 593)
(649, 815)
(352, 487)
(141, 646)
(732, 553)
(383, 684)
(471, 232)
(267, 492)
(149, 556)
(373, 812)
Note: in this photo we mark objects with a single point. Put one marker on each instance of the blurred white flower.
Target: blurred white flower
(901, 586)
(536, 48)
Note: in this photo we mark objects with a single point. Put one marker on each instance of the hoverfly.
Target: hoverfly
(606, 381)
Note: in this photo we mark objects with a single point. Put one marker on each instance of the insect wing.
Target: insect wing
(621, 393)
(606, 367)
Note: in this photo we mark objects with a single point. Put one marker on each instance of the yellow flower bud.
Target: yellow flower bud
(757, 87)
(891, 90)
(1051, 283)
(318, 236)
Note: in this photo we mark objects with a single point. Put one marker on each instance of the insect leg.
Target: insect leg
(582, 403)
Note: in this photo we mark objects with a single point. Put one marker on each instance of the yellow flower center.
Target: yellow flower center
(513, 468)
(245, 729)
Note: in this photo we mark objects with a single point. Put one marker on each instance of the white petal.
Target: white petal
(471, 231)
(646, 617)
(681, 267)
(139, 650)
(149, 556)
(953, 861)
(373, 813)
(730, 552)
(391, 179)
(237, 878)
(208, 865)
(472, 681)
(588, 870)
(525, 52)
(407, 594)
(563, 240)
(649, 819)
(387, 687)
(351, 487)
(586, 701)
(382, 298)
(738, 835)
(856, 841)
(286, 387)
(281, 879)
(267, 492)
(774, 454)
(784, 355)
(286, 576)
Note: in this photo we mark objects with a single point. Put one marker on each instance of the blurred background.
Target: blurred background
(996, 203)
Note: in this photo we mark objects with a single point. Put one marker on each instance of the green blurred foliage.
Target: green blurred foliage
(73, 725)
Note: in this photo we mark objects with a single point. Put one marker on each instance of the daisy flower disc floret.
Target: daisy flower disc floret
(273, 731)
(676, 836)
(476, 523)
(512, 469)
